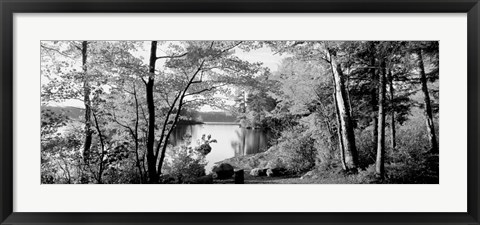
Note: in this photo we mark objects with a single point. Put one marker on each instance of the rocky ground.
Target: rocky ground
(271, 160)
(249, 179)
(262, 161)
(266, 159)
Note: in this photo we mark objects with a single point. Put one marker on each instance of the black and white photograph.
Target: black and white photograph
(239, 112)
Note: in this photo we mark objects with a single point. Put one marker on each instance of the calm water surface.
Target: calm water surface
(232, 140)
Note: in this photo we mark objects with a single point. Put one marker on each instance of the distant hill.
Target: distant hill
(215, 116)
(73, 113)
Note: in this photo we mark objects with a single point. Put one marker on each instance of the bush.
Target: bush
(275, 125)
(121, 172)
(413, 169)
(411, 163)
(297, 151)
(185, 163)
(367, 151)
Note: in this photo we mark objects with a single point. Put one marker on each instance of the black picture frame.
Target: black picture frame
(9, 7)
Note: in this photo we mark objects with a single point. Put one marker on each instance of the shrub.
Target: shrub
(413, 169)
(410, 162)
(121, 172)
(185, 163)
(367, 151)
(297, 151)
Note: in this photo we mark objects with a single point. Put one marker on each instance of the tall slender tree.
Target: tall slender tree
(380, 161)
(391, 90)
(373, 92)
(151, 159)
(427, 103)
(346, 125)
(87, 102)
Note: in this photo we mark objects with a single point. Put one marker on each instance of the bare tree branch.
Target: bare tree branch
(56, 50)
(172, 56)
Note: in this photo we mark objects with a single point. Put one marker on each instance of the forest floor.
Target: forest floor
(249, 179)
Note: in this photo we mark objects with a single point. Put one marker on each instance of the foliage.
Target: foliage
(185, 163)
(297, 150)
(136, 106)
(61, 156)
(203, 145)
(366, 147)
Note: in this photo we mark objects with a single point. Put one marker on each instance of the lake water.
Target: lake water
(232, 140)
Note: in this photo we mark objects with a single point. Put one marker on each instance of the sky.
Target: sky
(264, 55)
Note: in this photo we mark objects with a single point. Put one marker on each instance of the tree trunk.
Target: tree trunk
(102, 143)
(348, 135)
(135, 135)
(87, 102)
(151, 158)
(428, 107)
(162, 135)
(374, 95)
(392, 113)
(380, 162)
(339, 131)
(165, 143)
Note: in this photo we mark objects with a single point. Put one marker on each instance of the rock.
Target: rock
(239, 177)
(275, 168)
(223, 171)
(276, 172)
(274, 164)
(257, 172)
(257, 160)
(270, 173)
(308, 175)
(208, 179)
(313, 174)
